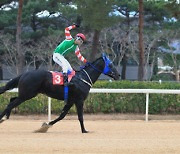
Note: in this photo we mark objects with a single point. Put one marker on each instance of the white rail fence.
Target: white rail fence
(139, 91)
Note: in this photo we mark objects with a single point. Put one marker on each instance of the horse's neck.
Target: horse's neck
(95, 71)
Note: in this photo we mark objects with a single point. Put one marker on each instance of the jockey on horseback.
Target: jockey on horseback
(67, 46)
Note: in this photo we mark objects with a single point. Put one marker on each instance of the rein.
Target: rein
(95, 68)
(90, 84)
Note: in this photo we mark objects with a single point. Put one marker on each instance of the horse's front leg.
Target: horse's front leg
(63, 114)
(79, 107)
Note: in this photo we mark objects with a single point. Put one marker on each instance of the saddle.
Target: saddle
(57, 77)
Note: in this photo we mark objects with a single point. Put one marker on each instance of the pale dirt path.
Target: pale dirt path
(106, 136)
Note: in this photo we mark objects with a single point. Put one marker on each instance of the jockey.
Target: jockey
(67, 46)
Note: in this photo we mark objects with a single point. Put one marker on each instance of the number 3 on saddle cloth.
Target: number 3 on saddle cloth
(57, 77)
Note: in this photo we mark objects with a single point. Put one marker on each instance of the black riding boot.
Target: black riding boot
(65, 79)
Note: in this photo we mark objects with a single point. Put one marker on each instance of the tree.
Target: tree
(4, 20)
(98, 22)
(4, 2)
(96, 16)
(174, 8)
(40, 53)
(10, 56)
(126, 8)
(1, 71)
(169, 47)
(141, 46)
(113, 42)
(21, 55)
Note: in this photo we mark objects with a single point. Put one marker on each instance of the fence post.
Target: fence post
(147, 106)
(49, 109)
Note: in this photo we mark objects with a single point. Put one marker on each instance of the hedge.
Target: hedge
(108, 103)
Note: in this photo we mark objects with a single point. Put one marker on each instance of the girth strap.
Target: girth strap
(66, 90)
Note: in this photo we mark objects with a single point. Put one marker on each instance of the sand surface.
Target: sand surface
(107, 135)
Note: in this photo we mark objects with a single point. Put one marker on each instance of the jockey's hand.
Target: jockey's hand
(87, 63)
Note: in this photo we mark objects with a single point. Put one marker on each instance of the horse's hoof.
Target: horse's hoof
(3, 119)
(85, 131)
(44, 128)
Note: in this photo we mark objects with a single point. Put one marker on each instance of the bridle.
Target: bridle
(105, 70)
(90, 84)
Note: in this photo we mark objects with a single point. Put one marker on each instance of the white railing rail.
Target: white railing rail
(142, 91)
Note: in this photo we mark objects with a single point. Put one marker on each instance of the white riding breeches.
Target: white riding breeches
(61, 61)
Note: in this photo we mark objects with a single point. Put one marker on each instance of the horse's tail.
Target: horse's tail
(10, 85)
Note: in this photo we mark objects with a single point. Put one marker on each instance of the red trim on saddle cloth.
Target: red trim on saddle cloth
(57, 77)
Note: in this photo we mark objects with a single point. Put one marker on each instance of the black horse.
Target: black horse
(40, 81)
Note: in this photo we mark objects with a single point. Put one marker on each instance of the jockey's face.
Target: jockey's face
(78, 41)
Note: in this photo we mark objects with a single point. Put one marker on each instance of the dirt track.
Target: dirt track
(106, 136)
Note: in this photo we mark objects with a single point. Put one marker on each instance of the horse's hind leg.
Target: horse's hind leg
(63, 113)
(14, 102)
(46, 126)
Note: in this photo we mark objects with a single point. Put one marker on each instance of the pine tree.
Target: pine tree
(96, 15)
(21, 55)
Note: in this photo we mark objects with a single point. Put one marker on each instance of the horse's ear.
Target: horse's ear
(104, 55)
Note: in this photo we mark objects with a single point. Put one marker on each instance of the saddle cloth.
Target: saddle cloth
(57, 77)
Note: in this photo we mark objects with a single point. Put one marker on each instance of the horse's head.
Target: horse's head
(109, 68)
(101, 65)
